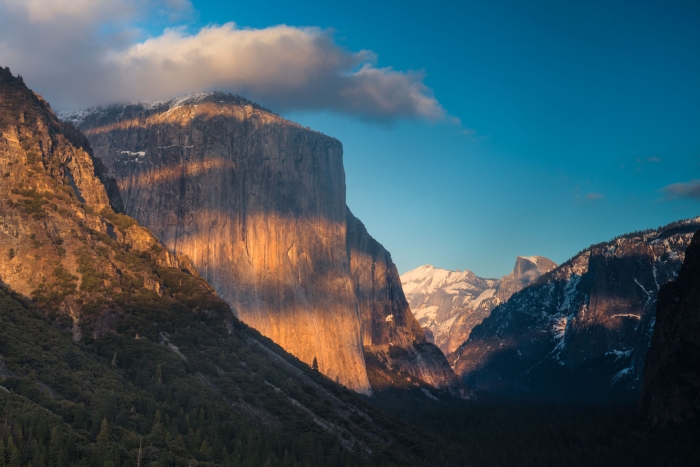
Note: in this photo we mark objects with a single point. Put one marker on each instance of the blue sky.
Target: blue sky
(559, 101)
(540, 127)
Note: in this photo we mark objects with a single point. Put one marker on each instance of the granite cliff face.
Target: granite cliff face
(671, 386)
(394, 344)
(153, 334)
(61, 242)
(258, 204)
(527, 270)
(450, 303)
(582, 330)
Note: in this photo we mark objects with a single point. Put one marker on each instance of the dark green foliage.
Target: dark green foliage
(95, 401)
(121, 221)
(61, 285)
(33, 203)
(91, 280)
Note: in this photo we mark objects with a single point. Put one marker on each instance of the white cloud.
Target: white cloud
(87, 52)
(51, 11)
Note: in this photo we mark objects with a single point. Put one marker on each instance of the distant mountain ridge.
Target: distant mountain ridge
(583, 329)
(450, 303)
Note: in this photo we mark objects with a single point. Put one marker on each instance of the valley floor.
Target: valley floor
(499, 432)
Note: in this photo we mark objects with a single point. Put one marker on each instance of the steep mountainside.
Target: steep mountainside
(61, 242)
(671, 386)
(119, 358)
(258, 204)
(450, 303)
(395, 346)
(583, 329)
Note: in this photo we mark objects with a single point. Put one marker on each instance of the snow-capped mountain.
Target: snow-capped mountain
(448, 304)
(582, 330)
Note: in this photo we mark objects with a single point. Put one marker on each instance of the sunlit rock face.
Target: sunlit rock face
(392, 338)
(61, 244)
(582, 330)
(450, 303)
(671, 386)
(258, 204)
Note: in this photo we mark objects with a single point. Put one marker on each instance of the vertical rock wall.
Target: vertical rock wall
(394, 343)
(258, 204)
(385, 315)
(671, 385)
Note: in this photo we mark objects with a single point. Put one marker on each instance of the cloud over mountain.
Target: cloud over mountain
(97, 55)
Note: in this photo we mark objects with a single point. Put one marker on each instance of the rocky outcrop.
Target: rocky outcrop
(527, 270)
(61, 242)
(394, 343)
(582, 330)
(671, 387)
(450, 303)
(258, 204)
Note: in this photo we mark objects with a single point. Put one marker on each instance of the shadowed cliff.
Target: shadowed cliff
(671, 389)
(258, 204)
(395, 346)
(583, 329)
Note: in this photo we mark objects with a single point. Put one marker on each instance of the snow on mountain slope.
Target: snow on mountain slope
(583, 329)
(451, 303)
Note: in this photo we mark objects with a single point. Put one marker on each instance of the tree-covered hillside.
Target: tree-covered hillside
(173, 387)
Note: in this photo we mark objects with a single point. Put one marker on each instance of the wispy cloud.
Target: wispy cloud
(472, 135)
(652, 159)
(689, 190)
(89, 52)
(589, 197)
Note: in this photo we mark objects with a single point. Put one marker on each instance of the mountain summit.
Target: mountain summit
(258, 203)
(448, 304)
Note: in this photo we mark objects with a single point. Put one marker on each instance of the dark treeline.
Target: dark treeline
(500, 432)
(128, 395)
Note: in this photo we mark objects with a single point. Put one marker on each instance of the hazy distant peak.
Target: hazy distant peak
(450, 303)
(428, 278)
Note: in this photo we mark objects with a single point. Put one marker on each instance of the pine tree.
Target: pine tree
(103, 439)
(204, 450)
(13, 453)
(157, 429)
(314, 365)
